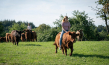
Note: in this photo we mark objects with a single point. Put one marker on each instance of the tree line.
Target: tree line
(79, 20)
(6, 26)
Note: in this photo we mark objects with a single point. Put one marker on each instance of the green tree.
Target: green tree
(42, 28)
(16, 26)
(1, 29)
(96, 35)
(103, 12)
(103, 35)
(7, 24)
(48, 35)
(26, 23)
(82, 21)
(100, 28)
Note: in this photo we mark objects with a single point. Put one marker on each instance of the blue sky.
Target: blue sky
(45, 11)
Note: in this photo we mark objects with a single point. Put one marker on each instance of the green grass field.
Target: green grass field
(43, 53)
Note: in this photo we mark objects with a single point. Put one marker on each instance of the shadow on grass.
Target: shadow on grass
(99, 56)
(1, 41)
(32, 45)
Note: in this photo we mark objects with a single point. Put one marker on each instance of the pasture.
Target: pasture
(43, 53)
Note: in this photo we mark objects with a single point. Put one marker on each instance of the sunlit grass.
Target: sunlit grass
(43, 53)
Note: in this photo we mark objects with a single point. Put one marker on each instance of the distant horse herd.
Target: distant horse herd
(67, 42)
(16, 35)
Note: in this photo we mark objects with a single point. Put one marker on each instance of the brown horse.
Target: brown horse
(8, 37)
(80, 32)
(67, 41)
(15, 36)
(23, 37)
(28, 35)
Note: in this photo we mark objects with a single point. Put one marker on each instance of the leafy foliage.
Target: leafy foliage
(107, 37)
(7, 24)
(16, 26)
(42, 28)
(46, 34)
(103, 12)
(82, 21)
(1, 28)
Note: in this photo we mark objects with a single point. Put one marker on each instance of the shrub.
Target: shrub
(48, 35)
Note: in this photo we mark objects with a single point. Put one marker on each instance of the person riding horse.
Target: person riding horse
(30, 29)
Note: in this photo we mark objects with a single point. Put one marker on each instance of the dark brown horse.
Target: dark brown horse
(15, 36)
